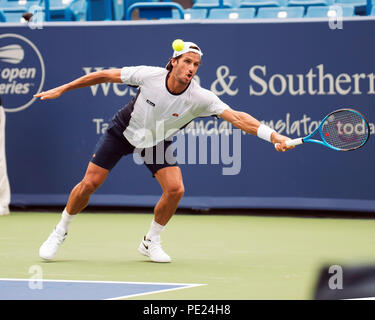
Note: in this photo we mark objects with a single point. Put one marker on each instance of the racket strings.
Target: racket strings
(345, 129)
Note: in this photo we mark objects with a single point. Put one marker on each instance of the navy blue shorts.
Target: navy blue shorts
(112, 146)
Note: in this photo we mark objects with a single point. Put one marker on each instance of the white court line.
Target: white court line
(101, 281)
(184, 285)
(158, 291)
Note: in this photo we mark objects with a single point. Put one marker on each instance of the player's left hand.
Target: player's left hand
(50, 94)
(279, 141)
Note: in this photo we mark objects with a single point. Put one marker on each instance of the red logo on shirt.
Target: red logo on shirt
(175, 115)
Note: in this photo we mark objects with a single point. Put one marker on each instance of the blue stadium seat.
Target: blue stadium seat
(209, 4)
(118, 9)
(236, 3)
(281, 12)
(68, 10)
(370, 6)
(191, 14)
(360, 6)
(128, 3)
(17, 5)
(105, 10)
(329, 11)
(60, 10)
(154, 10)
(261, 3)
(2, 16)
(13, 9)
(13, 16)
(236, 13)
(372, 13)
(309, 3)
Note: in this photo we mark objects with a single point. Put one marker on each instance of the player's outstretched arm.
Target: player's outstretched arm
(249, 124)
(110, 75)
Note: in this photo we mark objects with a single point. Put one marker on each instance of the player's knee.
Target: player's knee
(175, 191)
(89, 186)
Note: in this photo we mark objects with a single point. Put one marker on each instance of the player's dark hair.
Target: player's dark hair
(169, 66)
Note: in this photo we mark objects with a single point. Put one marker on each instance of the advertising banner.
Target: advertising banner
(288, 75)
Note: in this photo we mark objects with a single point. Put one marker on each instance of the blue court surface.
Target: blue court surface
(32, 289)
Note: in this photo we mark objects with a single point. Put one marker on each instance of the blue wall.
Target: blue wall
(249, 65)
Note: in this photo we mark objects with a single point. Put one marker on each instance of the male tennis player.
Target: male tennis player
(169, 99)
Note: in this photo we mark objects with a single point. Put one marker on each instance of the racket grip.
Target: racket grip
(294, 142)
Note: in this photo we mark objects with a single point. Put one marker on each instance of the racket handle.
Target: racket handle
(294, 142)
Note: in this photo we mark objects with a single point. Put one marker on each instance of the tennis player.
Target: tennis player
(167, 98)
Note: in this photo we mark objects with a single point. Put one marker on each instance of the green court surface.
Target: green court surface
(235, 256)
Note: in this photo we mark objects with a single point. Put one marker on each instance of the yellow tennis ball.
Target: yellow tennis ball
(178, 45)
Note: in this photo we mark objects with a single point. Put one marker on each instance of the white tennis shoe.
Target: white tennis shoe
(49, 248)
(152, 248)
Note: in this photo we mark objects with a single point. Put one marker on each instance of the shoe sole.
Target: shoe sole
(45, 258)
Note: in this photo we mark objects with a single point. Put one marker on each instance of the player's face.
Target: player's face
(186, 67)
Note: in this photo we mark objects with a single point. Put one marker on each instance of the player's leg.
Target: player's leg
(108, 152)
(171, 182)
(78, 200)
(80, 195)
(163, 166)
(165, 169)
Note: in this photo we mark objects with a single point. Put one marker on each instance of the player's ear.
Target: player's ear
(174, 62)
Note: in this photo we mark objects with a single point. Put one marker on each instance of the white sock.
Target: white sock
(155, 231)
(63, 225)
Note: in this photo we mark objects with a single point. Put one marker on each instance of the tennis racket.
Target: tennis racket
(341, 130)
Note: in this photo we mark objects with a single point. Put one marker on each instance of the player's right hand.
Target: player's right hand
(279, 142)
(50, 94)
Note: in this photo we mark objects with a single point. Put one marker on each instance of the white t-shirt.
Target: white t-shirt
(156, 114)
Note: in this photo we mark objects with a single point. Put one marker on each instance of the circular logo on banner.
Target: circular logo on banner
(22, 72)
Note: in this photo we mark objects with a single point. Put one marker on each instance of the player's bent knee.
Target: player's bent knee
(89, 186)
(175, 192)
